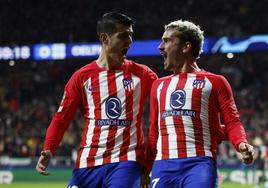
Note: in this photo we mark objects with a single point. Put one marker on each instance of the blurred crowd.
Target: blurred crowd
(31, 91)
(248, 78)
(29, 96)
(28, 22)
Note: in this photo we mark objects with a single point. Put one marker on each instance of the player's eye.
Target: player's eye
(165, 40)
(125, 35)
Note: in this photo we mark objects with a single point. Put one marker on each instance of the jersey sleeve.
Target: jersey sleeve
(233, 126)
(151, 149)
(150, 78)
(63, 117)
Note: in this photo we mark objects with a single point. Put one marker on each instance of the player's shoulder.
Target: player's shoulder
(218, 81)
(82, 73)
(212, 76)
(135, 65)
(162, 79)
(165, 78)
(86, 69)
(138, 68)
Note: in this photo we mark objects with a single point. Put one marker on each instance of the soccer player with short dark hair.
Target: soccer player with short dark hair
(110, 93)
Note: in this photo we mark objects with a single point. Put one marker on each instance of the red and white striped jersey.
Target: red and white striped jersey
(112, 104)
(185, 112)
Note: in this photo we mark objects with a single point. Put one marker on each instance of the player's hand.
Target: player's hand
(145, 181)
(247, 152)
(43, 162)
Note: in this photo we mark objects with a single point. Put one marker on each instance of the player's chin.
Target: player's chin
(248, 161)
(166, 65)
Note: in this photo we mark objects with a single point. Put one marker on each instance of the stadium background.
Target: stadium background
(31, 88)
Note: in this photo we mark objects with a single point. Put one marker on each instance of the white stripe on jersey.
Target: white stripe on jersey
(86, 149)
(104, 93)
(119, 133)
(187, 120)
(131, 155)
(85, 152)
(119, 76)
(169, 121)
(118, 143)
(159, 140)
(204, 113)
(133, 129)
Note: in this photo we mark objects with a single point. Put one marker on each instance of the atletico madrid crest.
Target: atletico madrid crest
(128, 84)
(199, 84)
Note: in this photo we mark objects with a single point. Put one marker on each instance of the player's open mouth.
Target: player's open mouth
(124, 51)
(164, 55)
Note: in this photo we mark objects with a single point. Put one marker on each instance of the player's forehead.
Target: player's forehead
(123, 28)
(170, 33)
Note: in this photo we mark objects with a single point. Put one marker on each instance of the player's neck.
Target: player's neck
(188, 67)
(107, 62)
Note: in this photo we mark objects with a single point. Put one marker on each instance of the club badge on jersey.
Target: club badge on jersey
(199, 84)
(128, 84)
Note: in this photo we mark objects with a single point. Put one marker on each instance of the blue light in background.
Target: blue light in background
(61, 51)
(144, 48)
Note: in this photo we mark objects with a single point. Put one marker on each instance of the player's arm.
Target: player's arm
(59, 125)
(43, 162)
(153, 130)
(150, 77)
(233, 126)
(60, 122)
(151, 151)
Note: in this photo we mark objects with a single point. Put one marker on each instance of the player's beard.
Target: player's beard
(117, 58)
(173, 61)
(122, 55)
(169, 63)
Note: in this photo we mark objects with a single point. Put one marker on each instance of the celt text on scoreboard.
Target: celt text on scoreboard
(61, 51)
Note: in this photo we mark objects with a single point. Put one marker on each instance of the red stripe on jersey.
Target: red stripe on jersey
(97, 129)
(178, 122)
(197, 124)
(84, 135)
(83, 142)
(112, 128)
(163, 128)
(129, 115)
(140, 136)
(213, 120)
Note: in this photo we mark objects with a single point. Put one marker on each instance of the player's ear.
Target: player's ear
(104, 38)
(187, 47)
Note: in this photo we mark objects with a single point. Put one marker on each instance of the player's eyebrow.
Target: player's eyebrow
(126, 32)
(165, 38)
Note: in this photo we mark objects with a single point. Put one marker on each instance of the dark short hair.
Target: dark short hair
(107, 24)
